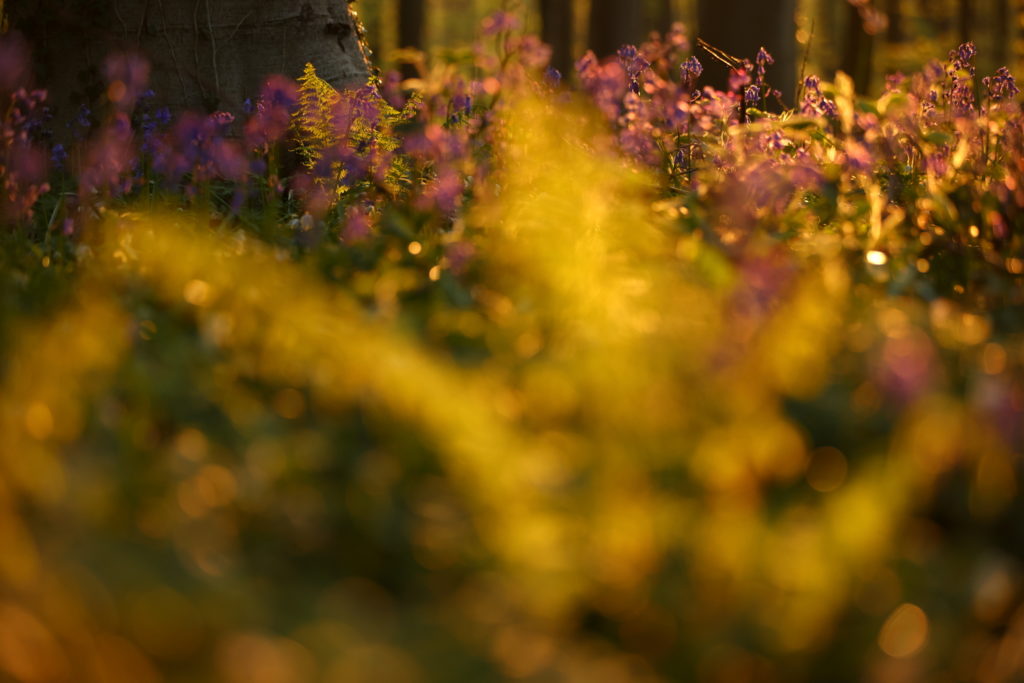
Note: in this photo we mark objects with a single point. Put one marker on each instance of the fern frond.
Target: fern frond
(313, 120)
(361, 120)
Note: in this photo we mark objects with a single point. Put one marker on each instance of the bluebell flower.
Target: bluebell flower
(763, 61)
(1002, 86)
(58, 155)
(689, 72)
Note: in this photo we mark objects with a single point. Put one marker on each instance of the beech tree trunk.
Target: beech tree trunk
(556, 30)
(614, 23)
(858, 51)
(965, 20)
(825, 44)
(663, 16)
(206, 55)
(894, 33)
(1004, 33)
(412, 17)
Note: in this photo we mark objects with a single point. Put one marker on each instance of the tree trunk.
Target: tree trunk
(741, 27)
(965, 22)
(556, 30)
(412, 19)
(824, 46)
(894, 32)
(658, 16)
(1004, 33)
(858, 51)
(664, 14)
(206, 55)
(614, 23)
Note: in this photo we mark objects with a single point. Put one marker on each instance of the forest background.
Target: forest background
(864, 38)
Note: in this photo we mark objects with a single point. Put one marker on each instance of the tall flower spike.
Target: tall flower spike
(689, 72)
(1002, 86)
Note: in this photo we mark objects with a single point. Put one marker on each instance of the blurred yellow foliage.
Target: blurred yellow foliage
(617, 366)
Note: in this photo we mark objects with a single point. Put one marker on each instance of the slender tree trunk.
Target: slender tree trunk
(664, 14)
(938, 22)
(205, 55)
(1003, 33)
(858, 51)
(965, 22)
(412, 20)
(894, 33)
(740, 27)
(556, 30)
(614, 23)
(823, 47)
(658, 15)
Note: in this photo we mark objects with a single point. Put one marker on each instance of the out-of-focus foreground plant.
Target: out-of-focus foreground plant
(504, 380)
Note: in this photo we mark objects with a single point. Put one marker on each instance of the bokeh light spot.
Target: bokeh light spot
(876, 258)
(39, 421)
(196, 292)
(289, 403)
(905, 632)
(827, 470)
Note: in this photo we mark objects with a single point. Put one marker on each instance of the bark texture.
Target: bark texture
(206, 55)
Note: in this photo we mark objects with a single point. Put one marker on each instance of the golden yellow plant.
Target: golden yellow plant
(616, 366)
(314, 119)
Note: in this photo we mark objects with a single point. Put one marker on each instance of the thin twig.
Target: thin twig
(170, 49)
(734, 64)
(213, 53)
(142, 23)
(124, 24)
(53, 216)
(239, 25)
(803, 68)
(195, 52)
(720, 55)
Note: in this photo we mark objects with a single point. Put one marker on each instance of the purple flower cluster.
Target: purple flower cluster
(690, 71)
(271, 120)
(429, 151)
(197, 150)
(1001, 86)
(606, 83)
(499, 22)
(762, 61)
(960, 73)
(127, 76)
(634, 64)
(814, 101)
(23, 160)
(109, 162)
